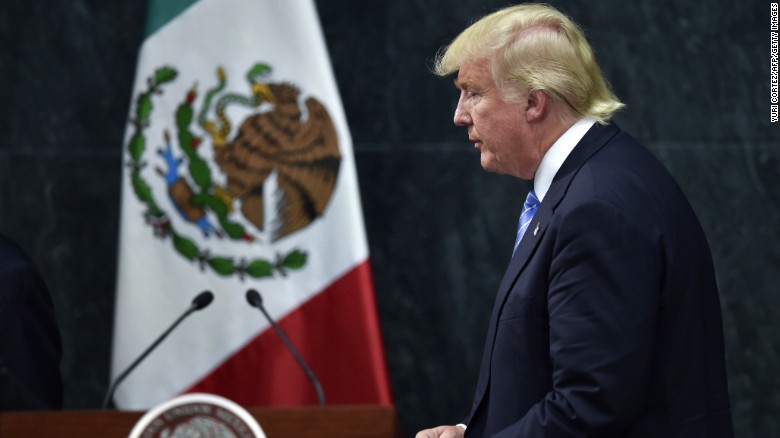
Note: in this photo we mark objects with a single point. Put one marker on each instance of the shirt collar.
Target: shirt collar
(555, 156)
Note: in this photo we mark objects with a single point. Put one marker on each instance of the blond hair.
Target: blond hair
(535, 47)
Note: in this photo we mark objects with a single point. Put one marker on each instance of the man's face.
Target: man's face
(496, 127)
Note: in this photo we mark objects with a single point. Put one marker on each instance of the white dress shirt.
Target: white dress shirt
(557, 154)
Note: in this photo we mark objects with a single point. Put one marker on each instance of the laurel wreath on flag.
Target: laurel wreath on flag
(159, 220)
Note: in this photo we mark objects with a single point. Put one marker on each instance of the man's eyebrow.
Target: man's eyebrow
(460, 85)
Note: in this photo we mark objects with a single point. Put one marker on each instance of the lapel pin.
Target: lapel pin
(536, 230)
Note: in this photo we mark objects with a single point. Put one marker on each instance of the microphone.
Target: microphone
(255, 300)
(202, 300)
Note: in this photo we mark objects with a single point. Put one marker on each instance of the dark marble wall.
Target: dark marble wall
(695, 77)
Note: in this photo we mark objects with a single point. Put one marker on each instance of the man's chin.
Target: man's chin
(487, 164)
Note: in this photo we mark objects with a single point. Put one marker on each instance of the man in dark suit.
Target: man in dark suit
(607, 322)
(30, 346)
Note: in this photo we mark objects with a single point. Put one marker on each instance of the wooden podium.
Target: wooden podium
(304, 422)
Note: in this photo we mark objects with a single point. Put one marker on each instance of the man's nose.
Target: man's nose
(462, 117)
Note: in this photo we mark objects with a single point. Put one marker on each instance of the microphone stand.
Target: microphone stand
(201, 300)
(255, 300)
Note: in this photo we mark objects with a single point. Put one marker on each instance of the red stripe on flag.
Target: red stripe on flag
(336, 332)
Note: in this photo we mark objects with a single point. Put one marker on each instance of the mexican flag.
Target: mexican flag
(238, 174)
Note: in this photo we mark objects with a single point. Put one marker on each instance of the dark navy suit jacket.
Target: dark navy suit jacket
(607, 322)
(30, 346)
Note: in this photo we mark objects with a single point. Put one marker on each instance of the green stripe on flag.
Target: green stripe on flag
(160, 12)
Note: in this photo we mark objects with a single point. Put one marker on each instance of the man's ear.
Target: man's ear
(538, 106)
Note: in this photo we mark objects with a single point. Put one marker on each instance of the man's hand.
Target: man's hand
(442, 432)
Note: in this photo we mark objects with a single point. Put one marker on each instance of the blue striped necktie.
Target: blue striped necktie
(529, 209)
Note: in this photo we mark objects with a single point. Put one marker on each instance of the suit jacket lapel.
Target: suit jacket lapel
(596, 137)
